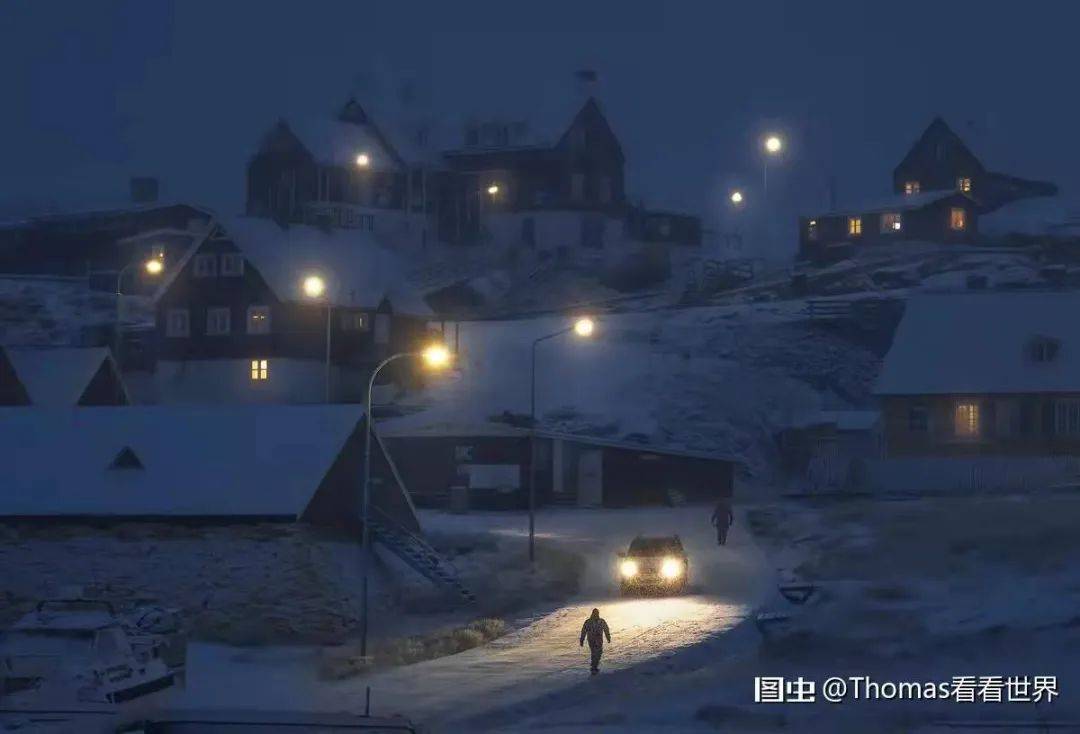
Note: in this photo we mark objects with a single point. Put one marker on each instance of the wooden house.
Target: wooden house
(941, 161)
(235, 323)
(931, 216)
(59, 377)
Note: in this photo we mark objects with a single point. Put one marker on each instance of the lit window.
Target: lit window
(232, 264)
(178, 323)
(891, 222)
(218, 321)
(957, 218)
(963, 184)
(911, 187)
(854, 226)
(354, 321)
(967, 420)
(258, 320)
(811, 230)
(205, 266)
(260, 369)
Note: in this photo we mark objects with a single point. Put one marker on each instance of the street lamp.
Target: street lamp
(363, 160)
(736, 197)
(152, 266)
(773, 145)
(314, 287)
(435, 356)
(493, 189)
(583, 327)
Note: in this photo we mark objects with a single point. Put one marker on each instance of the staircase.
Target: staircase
(418, 554)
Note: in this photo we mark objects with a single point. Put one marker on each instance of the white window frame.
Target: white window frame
(232, 265)
(175, 329)
(205, 266)
(348, 321)
(214, 325)
(261, 325)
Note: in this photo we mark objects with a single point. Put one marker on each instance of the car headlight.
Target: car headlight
(671, 568)
(628, 569)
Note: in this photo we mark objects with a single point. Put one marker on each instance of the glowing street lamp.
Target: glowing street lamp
(314, 287)
(363, 160)
(153, 266)
(583, 327)
(436, 356)
(493, 189)
(773, 146)
(736, 197)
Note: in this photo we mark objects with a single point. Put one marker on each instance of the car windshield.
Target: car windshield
(654, 546)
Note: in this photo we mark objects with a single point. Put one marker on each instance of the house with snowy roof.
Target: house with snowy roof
(941, 161)
(932, 216)
(60, 377)
(235, 323)
(983, 388)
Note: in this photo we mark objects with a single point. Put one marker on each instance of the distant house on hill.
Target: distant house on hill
(932, 216)
(940, 161)
(236, 325)
(983, 391)
(60, 377)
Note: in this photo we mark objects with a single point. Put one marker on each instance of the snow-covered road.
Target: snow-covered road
(539, 659)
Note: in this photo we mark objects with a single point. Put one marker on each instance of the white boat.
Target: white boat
(72, 652)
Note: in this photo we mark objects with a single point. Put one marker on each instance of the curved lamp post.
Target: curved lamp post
(314, 287)
(583, 328)
(436, 356)
(153, 266)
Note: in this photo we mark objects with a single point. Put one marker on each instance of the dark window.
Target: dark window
(918, 419)
(1044, 349)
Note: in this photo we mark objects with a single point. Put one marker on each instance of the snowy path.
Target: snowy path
(537, 660)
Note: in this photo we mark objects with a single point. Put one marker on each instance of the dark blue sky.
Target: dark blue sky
(96, 91)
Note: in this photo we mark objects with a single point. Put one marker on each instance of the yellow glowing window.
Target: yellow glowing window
(911, 187)
(854, 226)
(957, 218)
(963, 184)
(260, 369)
(891, 222)
(967, 419)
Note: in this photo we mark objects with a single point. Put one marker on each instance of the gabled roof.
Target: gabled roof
(360, 271)
(981, 343)
(937, 127)
(239, 460)
(539, 128)
(337, 142)
(57, 377)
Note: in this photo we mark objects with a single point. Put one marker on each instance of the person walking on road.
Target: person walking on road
(722, 519)
(595, 629)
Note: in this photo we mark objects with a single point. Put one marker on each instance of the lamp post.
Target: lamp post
(153, 266)
(314, 287)
(436, 356)
(773, 145)
(582, 328)
(492, 190)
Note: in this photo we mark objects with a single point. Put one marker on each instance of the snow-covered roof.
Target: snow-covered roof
(982, 343)
(359, 270)
(338, 143)
(1038, 216)
(896, 203)
(240, 460)
(540, 124)
(56, 377)
(844, 420)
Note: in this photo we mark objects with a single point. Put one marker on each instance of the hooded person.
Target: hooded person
(595, 630)
(722, 519)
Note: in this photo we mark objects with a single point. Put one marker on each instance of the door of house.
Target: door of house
(590, 478)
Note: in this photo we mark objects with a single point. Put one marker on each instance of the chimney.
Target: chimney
(144, 190)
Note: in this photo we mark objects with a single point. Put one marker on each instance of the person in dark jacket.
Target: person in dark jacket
(595, 629)
(722, 518)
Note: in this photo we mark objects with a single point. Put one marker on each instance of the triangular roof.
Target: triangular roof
(57, 377)
(542, 127)
(237, 460)
(126, 459)
(938, 127)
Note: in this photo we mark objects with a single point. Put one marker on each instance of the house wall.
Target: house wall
(1010, 425)
(637, 477)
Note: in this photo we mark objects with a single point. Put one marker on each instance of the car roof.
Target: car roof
(658, 543)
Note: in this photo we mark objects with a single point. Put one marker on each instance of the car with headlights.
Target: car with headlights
(654, 564)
